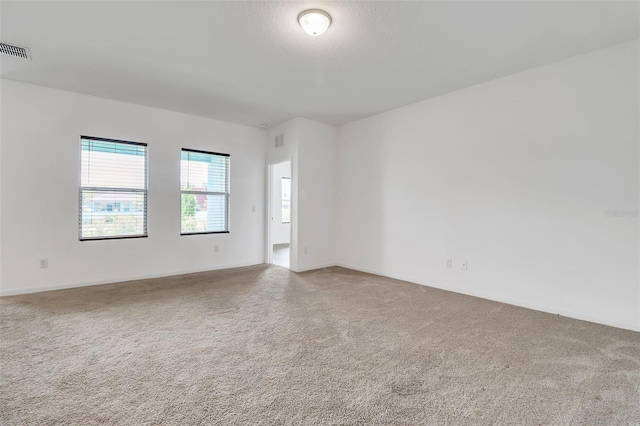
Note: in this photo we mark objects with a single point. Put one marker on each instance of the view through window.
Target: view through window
(204, 183)
(286, 200)
(113, 191)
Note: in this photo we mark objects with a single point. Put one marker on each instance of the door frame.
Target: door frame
(269, 210)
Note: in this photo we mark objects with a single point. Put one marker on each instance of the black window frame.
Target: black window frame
(145, 191)
(227, 193)
(282, 199)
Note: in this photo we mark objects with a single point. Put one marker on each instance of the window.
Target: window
(204, 183)
(286, 200)
(113, 189)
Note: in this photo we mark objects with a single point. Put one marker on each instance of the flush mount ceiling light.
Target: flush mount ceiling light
(314, 21)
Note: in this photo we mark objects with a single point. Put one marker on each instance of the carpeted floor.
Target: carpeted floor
(263, 345)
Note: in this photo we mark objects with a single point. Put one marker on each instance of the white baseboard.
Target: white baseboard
(555, 311)
(535, 307)
(313, 268)
(121, 279)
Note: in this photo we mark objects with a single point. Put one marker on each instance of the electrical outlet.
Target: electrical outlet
(216, 249)
(44, 263)
(464, 265)
(306, 250)
(254, 209)
(449, 263)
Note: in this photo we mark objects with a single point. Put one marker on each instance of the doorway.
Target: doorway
(280, 214)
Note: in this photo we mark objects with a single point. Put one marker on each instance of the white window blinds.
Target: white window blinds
(113, 189)
(286, 200)
(204, 184)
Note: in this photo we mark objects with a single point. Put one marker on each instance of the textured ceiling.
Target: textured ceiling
(250, 62)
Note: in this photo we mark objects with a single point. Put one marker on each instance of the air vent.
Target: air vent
(279, 140)
(15, 51)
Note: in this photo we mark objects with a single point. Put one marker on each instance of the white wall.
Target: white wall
(311, 147)
(316, 194)
(40, 175)
(514, 176)
(275, 155)
(280, 232)
(1, 115)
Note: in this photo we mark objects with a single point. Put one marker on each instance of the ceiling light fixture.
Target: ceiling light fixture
(314, 21)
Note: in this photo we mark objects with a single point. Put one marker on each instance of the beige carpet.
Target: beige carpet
(262, 345)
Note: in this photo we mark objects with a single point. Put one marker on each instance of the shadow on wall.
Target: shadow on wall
(362, 200)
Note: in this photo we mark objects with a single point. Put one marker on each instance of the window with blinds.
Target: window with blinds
(204, 184)
(113, 189)
(286, 200)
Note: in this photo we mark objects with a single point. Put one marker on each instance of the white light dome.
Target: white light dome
(314, 21)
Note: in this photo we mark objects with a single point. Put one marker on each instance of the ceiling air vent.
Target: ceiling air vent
(280, 140)
(16, 51)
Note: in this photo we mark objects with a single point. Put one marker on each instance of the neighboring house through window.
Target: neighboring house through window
(286, 200)
(204, 184)
(113, 189)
